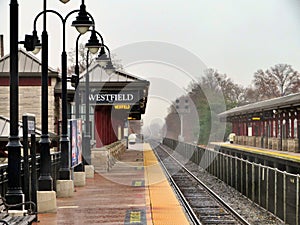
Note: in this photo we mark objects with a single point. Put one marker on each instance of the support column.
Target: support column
(292, 125)
(281, 130)
(272, 127)
(276, 125)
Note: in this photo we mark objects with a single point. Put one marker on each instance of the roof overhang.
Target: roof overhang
(285, 102)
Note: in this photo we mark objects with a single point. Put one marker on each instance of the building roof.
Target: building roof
(98, 74)
(29, 65)
(288, 101)
(117, 81)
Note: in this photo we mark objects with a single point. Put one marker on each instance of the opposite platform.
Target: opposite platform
(135, 191)
(291, 156)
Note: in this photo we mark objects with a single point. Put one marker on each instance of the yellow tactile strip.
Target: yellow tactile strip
(165, 207)
(267, 152)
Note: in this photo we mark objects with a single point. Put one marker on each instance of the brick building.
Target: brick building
(30, 89)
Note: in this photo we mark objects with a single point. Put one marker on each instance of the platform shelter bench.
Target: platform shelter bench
(25, 219)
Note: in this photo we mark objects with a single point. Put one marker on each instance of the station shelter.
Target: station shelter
(272, 124)
(117, 102)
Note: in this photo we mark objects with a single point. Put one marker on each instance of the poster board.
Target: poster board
(76, 141)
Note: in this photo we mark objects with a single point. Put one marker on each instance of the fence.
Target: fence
(276, 191)
(55, 165)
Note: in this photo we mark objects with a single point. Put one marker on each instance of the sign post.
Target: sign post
(28, 129)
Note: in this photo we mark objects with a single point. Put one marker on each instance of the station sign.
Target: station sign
(122, 106)
(29, 123)
(110, 98)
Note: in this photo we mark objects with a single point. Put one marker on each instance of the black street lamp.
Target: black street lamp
(82, 24)
(103, 60)
(87, 135)
(93, 45)
(14, 193)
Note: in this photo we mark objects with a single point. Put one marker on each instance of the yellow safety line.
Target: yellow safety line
(263, 152)
(165, 207)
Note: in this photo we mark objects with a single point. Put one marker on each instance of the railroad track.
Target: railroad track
(201, 204)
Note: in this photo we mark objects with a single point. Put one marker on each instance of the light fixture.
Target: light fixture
(64, 1)
(93, 44)
(82, 22)
(102, 58)
(109, 68)
(38, 47)
(36, 42)
(32, 42)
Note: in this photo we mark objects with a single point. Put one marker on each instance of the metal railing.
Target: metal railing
(55, 165)
(276, 191)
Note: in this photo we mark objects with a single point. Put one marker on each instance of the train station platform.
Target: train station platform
(291, 156)
(282, 160)
(135, 191)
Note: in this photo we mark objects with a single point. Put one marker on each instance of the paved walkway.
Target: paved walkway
(121, 196)
(105, 199)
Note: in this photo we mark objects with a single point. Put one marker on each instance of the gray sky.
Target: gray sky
(236, 37)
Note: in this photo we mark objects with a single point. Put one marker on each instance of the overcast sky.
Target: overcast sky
(236, 37)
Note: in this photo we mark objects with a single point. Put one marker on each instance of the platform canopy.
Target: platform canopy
(289, 101)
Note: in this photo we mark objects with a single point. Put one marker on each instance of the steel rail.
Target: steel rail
(188, 209)
(209, 191)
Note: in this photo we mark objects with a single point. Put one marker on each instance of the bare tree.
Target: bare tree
(82, 54)
(234, 94)
(277, 81)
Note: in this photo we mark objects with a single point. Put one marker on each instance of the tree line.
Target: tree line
(279, 80)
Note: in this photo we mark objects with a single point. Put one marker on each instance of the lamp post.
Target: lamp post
(14, 193)
(93, 45)
(103, 60)
(87, 135)
(45, 182)
(82, 24)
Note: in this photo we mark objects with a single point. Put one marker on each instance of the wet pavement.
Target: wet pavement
(134, 191)
(107, 198)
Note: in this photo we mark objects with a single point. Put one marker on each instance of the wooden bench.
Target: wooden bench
(27, 218)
